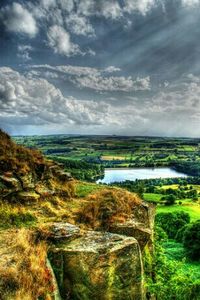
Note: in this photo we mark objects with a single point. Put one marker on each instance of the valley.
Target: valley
(59, 189)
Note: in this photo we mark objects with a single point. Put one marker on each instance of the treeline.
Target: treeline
(137, 163)
(190, 168)
(57, 151)
(81, 169)
(155, 186)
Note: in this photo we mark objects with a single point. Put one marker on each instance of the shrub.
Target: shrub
(172, 222)
(166, 280)
(191, 240)
(160, 234)
(170, 199)
(180, 233)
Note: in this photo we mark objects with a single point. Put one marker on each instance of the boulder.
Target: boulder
(99, 266)
(55, 295)
(43, 190)
(10, 183)
(28, 181)
(139, 226)
(27, 197)
(59, 232)
(137, 230)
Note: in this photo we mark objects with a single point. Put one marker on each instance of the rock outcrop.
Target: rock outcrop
(103, 265)
(25, 176)
(98, 266)
(139, 226)
(101, 257)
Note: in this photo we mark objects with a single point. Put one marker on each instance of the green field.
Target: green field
(116, 150)
(193, 210)
(151, 197)
(85, 157)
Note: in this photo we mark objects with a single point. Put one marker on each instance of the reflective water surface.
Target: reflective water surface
(118, 175)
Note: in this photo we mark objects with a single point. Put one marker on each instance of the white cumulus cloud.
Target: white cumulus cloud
(18, 19)
(113, 83)
(79, 25)
(59, 40)
(35, 101)
(142, 6)
(190, 2)
(94, 79)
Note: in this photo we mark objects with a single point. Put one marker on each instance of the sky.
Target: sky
(123, 67)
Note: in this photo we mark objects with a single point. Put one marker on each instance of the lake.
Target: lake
(119, 175)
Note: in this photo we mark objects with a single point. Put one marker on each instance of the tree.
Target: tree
(191, 240)
(170, 200)
(172, 222)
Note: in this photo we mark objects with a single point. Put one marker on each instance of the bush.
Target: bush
(191, 240)
(160, 234)
(165, 278)
(180, 233)
(172, 222)
(170, 199)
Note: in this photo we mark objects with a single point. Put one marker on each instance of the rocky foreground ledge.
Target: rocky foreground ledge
(97, 265)
(102, 265)
(94, 245)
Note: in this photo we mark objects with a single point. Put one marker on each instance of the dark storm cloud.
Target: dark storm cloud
(127, 66)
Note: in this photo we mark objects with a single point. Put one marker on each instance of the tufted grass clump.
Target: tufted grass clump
(15, 216)
(23, 270)
(107, 206)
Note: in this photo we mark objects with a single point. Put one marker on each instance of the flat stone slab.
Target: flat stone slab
(27, 197)
(100, 266)
(133, 229)
(10, 182)
(63, 231)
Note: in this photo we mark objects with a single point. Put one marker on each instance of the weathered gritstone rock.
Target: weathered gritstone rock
(28, 181)
(140, 226)
(59, 232)
(130, 228)
(63, 176)
(56, 293)
(42, 190)
(144, 214)
(55, 170)
(99, 266)
(9, 184)
(27, 197)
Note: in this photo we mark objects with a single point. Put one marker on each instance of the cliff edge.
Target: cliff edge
(56, 245)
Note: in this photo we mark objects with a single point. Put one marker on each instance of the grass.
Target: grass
(16, 216)
(171, 186)
(175, 251)
(23, 270)
(114, 157)
(151, 197)
(176, 186)
(193, 210)
(130, 149)
(84, 189)
(108, 206)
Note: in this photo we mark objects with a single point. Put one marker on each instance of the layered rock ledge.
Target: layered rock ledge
(98, 265)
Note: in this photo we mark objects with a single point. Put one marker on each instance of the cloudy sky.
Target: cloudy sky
(127, 67)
